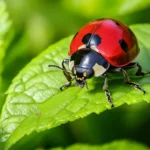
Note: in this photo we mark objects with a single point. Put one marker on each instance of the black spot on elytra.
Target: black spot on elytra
(123, 45)
(91, 40)
(86, 38)
(75, 35)
(117, 23)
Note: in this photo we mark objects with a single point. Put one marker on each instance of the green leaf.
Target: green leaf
(17, 53)
(116, 145)
(5, 26)
(35, 103)
(5, 38)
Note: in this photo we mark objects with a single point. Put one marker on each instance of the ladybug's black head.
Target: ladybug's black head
(81, 74)
(86, 63)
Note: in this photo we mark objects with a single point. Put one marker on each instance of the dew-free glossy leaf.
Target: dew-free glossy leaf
(5, 37)
(35, 103)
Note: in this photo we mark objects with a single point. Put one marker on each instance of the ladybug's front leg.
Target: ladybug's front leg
(66, 74)
(127, 81)
(105, 88)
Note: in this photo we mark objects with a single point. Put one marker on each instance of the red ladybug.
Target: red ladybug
(101, 47)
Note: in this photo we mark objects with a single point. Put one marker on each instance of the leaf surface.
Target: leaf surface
(116, 145)
(35, 103)
(5, 38)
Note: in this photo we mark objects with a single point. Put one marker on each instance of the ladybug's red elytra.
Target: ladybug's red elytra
(101, 47)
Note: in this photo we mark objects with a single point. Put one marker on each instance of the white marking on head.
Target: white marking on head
(84, 74)
(74, 71)
(99, 70)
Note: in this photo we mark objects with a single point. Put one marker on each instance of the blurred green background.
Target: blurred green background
(36, 25)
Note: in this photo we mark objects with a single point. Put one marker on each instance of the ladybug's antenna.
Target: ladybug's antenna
(60, 68)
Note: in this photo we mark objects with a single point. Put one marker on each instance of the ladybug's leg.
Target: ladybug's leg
(105, 88)
(139, 71)
(67, 75)
(127, 81)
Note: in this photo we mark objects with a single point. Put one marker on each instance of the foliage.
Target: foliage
(34, 101)
(116, 145)
(34, 94)
(5, 37)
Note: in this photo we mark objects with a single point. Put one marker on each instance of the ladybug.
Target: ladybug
(101, 47)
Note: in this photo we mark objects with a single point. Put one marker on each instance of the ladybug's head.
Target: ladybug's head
(81, 74)
(85, 64)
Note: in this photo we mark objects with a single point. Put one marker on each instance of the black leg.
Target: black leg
(64, 86)
(67, 75)
(139, 71)
(105, 88)
(127, 81)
